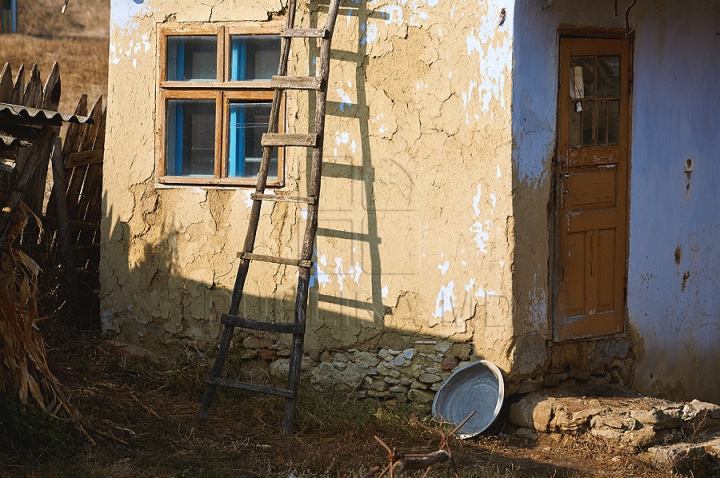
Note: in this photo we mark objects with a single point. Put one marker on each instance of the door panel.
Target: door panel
(592, 183)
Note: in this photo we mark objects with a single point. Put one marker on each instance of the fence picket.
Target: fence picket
(33, 94)
(18, 87)
(51, 90)
(6, 84)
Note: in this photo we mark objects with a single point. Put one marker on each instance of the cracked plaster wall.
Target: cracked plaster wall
(416, 220)
(672, 293)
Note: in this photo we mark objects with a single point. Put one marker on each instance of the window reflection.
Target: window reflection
(190, 138)
(608, 72)
(192, 58)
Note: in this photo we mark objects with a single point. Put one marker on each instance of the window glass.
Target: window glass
(588, 113)
(190, 137)
(582, 76)
(601, 133)
(254, 57)
(608, 76)
(575, 125)
(614, 122)
(192, 58)
(248, 122)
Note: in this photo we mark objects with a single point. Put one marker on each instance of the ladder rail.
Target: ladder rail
(249, 243)
(281, 82)
(301, 298)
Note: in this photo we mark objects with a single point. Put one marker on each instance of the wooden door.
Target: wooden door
(592, 188)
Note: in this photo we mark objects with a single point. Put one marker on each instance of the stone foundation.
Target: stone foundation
(600, 361)
(637, 421)
(411, 374)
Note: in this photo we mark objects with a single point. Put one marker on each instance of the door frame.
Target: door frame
(554, 206)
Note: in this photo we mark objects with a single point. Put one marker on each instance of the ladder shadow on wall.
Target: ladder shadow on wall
(356, 171)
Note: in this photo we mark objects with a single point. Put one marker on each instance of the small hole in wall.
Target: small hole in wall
(651, 375)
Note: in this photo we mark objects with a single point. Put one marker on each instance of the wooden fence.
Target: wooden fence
(75, 162)
(82, 157)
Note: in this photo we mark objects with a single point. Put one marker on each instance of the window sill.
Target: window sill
(180, 181)
(215, 85)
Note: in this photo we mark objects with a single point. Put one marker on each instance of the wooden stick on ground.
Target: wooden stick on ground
(398, 464)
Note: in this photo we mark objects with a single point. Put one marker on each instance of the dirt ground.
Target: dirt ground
(142, 417)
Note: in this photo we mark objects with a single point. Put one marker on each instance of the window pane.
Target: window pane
(601, 123)
(575, 126)
(254, 57)
(190, 138)
(588, 122)
(582, 76)
(248, 122)
(608, 76)
(614, 122)
(192, 58)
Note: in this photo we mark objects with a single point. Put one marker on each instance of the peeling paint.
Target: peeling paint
(445, 302)
(481, 235)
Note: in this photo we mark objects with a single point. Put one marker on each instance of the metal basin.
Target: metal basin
(477, 386)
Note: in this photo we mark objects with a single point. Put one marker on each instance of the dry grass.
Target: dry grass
(83, 63)
(43, 18)
(334, 435)
(77, 40)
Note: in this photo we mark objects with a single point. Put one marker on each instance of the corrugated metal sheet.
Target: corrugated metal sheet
(32, 115)
(9, 142)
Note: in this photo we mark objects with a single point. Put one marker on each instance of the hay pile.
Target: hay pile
(24, 371)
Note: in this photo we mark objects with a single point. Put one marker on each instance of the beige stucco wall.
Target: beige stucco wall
(416, 225)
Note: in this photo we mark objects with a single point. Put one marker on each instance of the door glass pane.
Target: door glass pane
(192, 58)
(608, 76)
(575, 124)
(614, 122)
(601, 123)
(582, 76)
(588, 114)
(254, 57)
(190, 142)
(248, 122)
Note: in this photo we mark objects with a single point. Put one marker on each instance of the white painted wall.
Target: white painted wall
(674, 322)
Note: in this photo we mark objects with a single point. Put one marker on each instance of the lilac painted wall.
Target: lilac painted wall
(674, 256)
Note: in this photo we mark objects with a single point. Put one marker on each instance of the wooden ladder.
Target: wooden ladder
(271, 140)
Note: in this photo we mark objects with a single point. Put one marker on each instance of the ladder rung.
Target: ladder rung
(275, 260)
(275, 197)
(286, 139)
(278, 328)
(304, 33)
(296, 82)
(223, 382)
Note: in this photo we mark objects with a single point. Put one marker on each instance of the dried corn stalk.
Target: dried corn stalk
(24, 371)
